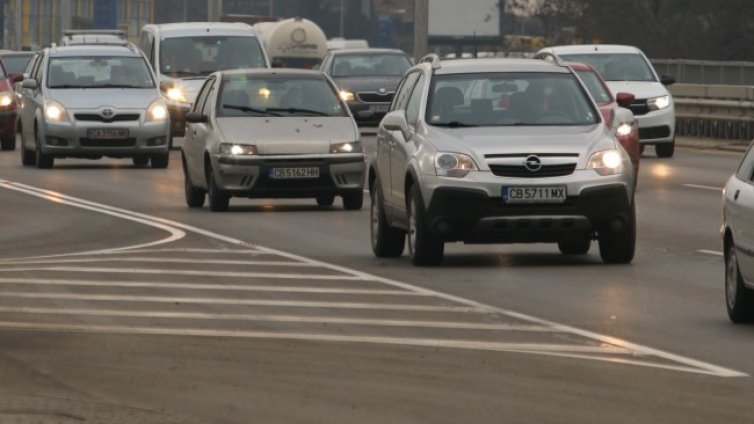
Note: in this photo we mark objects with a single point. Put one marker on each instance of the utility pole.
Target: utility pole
(421, 28)
(214, 10)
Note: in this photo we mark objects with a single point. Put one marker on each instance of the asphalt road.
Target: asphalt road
(119, 304)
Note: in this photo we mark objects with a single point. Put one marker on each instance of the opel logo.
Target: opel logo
(107, 113)
(533, 163)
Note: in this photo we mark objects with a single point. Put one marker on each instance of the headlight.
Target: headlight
(607, 162)
(157, 111)
(7, 99)
(350, 147)
(55, 112)
(175, 94)
(624, 129)
(658, 103)
(347, 96)
(454, 165)
(237, 149)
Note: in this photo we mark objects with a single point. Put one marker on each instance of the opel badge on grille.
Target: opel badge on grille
(533, 163)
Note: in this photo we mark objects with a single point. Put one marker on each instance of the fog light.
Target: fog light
(56, 141)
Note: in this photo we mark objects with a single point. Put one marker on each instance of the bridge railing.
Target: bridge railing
(714, 111)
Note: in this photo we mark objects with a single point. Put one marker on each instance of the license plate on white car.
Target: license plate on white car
(108, 133)
(294, 173)
(380, 108)
(534, 194)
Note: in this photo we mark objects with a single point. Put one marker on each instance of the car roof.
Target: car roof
(183, 29)
(275, 72)
(593, 48)
(464, 66)
(367, 51)
(94, 50)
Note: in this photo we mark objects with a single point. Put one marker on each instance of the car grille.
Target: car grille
(639, 107)
(654, 132)
(375, 97)
(519, 171)
(92, 142)
(115, 118)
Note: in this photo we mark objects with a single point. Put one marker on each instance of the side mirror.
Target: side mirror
(30, 83)
(196, 118)
(667, 80)
(624, 99)
(395, 121)
(16, 77)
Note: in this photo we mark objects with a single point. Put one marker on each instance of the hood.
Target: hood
(93, 98)
(521, 140)
(289, 135)
(190, 86)
(640, 89)
(368, 83)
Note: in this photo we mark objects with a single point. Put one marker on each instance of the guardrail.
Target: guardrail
(714, 111)
(706, 71)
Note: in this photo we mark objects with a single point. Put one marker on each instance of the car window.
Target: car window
(16, 63)
(414, 103)
(370, 64)
(616, 66)
(99, 72)
(198, 104)
(746, 169)
(404, 90)
(35, 73)
(202, 55)
(596, 89)
(206, 109)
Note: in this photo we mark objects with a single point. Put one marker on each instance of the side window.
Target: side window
(404, 90)
(197, 107)
(206, 106)
(414, 103)
(144, 42)
(746, 169)
(37, 72)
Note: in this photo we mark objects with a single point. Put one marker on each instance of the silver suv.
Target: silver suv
(498, 151)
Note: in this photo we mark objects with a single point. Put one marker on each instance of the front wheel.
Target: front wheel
(28, 157)
(665, 150)
(218, 199)
(194, 196)
(424, 248)
(8, 143)
(161, 160)
(387, 242)
(739, 300)
(618, 247)
(43, 161)
(353, 202)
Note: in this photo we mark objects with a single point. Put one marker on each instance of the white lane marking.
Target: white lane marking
(250, 252)
(195, 286)
(305, 319)
(243, 302)
(703, 187)
(270, 275)
(710, 252)
(692, 365)
(157, 260)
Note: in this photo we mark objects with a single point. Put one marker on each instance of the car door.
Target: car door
(32, 101)
(386, 138)
(196, 134)
(739, 199)
(403, 147)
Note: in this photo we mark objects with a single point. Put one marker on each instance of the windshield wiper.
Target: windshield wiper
(117, 86)
(67, 86)
(298, 110)
(252, 110)
(454, 124)
(184, 73)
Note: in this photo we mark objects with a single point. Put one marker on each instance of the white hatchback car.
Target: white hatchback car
(627, 69)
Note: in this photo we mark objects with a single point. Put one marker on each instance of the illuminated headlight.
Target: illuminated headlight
(6, 99)
(347, 96)
(238, 149)
(658, 103)
(350, 147)
(157, 111)
(175, 94)
(607, 162)
(624, 129)
(55, 112)
(454, 165)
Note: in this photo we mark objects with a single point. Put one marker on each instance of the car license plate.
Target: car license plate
(294, 173)
(108, 133)
(380, 108)
(534, 194)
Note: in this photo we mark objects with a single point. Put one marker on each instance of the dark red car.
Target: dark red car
(627, 130)
(8, 108)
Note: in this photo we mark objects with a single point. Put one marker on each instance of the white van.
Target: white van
(626, 69)
(184, 54)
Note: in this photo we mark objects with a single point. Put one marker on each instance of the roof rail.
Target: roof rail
(432, 59)
(116, 32)
(549, 56)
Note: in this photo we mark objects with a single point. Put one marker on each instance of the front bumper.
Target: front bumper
(657, 126)
(339, 174)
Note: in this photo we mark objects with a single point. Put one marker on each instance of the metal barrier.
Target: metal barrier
(714, 111)
(706, 71)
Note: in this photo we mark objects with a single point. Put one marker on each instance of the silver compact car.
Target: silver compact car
(92, 101)
(452, 165)
(271, 134)
(738, 241)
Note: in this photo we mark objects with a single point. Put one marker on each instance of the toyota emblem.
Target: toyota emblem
(533, 163)
(107, 113)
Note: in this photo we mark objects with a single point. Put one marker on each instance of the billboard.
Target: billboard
(464, 18)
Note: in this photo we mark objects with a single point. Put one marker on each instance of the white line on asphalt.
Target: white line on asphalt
(185, 272)
(703, 187)
(79, 260)
(245, 302)
(305, 319)
(195, 286)
(692, 365)
(710, 252)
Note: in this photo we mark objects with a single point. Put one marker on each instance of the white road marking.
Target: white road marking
(305, 319)
(158, 260)
(703, 187)
(689, 364)
(710, 252)
(243, 302)
(195, 286)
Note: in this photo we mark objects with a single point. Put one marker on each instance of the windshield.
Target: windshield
(352, 65)
(16, 63)
(99, 72)
(616, 67)
(248, 95)
(200, 56)
(596, 88)
(508, 99)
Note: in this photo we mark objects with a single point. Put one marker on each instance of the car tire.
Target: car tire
(141, 161)
(739, 299)
(618, 247)
(8, 143)
(42, 160)
(325, 200)
(387, 242)
(218, 200)
(353, 202)
(576, 246)
(424, 248)
(194, 196)
(665, 150)
(28, 157)
(160, 161)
